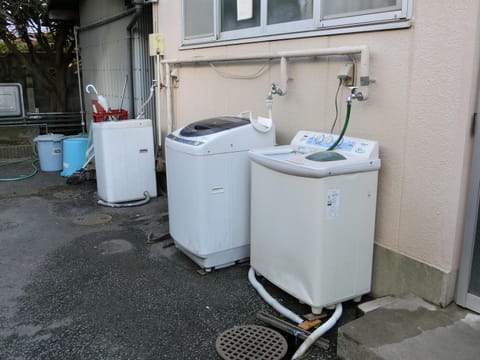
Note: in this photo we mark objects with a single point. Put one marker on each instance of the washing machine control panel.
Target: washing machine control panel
(185, 141)
(311, 141)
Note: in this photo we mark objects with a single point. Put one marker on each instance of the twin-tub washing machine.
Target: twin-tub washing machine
(208, 182)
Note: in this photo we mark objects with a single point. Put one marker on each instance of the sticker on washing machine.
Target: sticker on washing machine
(333, 203)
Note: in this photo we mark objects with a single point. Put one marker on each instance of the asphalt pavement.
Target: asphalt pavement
(82, 281)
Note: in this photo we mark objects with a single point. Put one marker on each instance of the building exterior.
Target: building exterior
(422, 95)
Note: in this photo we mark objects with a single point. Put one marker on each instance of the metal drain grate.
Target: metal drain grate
(251, 342)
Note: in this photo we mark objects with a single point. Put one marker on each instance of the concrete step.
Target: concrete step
(410, 328)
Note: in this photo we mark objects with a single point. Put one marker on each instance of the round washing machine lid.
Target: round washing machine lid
(213, 125)
(323, 156)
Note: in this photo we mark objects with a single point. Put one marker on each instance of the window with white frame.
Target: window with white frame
(212, 21)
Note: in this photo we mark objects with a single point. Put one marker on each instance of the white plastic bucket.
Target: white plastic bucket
(50, 151)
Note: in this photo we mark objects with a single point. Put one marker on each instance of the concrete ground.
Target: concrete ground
(410, 328)
(80, 281)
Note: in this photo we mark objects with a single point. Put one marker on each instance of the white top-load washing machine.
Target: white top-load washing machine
(313, 217)
(208, 183)
(124, 160)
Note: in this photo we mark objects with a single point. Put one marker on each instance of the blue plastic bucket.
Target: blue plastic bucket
(74, 157)
(50, 151)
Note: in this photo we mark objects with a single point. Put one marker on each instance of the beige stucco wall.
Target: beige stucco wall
(420, 110)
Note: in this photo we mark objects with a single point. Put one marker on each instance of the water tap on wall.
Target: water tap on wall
(274, 90)
(354, 94)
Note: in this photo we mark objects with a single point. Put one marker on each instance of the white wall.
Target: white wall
(420, 110)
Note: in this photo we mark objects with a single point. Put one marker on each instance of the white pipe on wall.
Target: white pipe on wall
(158, 76)
(168, 84)
(283, 75)
(364, 73)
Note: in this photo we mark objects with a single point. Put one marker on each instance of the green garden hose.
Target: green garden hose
(22, 177)
(344, 129)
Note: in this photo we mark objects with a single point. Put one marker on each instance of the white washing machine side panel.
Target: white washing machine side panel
(277, 249)
(349, 237)
(318, 253)
(208, 201)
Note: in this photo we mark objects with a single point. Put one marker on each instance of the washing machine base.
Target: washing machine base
(219, 259)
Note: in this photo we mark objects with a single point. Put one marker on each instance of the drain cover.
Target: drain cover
(249, 342)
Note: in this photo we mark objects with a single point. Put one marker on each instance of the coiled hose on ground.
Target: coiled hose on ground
(21, 177)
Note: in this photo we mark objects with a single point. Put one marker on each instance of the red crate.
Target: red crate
(110, 115)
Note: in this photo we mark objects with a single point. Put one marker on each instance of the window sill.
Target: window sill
(400, 24)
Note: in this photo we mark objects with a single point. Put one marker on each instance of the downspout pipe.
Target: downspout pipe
(138, 12)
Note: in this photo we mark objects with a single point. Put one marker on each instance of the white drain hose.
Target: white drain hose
(294, 317)
(271, 301)
(130, 204)
(319, 332)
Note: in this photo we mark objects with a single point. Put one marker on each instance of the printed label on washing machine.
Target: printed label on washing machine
(333, 203)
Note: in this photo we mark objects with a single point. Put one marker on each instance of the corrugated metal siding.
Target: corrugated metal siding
(104, 54)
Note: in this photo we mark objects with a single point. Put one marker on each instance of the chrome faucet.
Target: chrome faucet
(354, 94)
(274, 90)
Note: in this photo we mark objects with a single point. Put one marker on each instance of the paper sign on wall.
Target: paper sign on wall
(244, 9)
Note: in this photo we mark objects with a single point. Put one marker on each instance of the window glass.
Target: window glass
(280, 11)
(198, 18)
(210, 21)
(229, 16)
(337, 8)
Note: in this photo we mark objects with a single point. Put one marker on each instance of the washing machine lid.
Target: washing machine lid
(213, 126)
(323, 156)
(225, 134)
